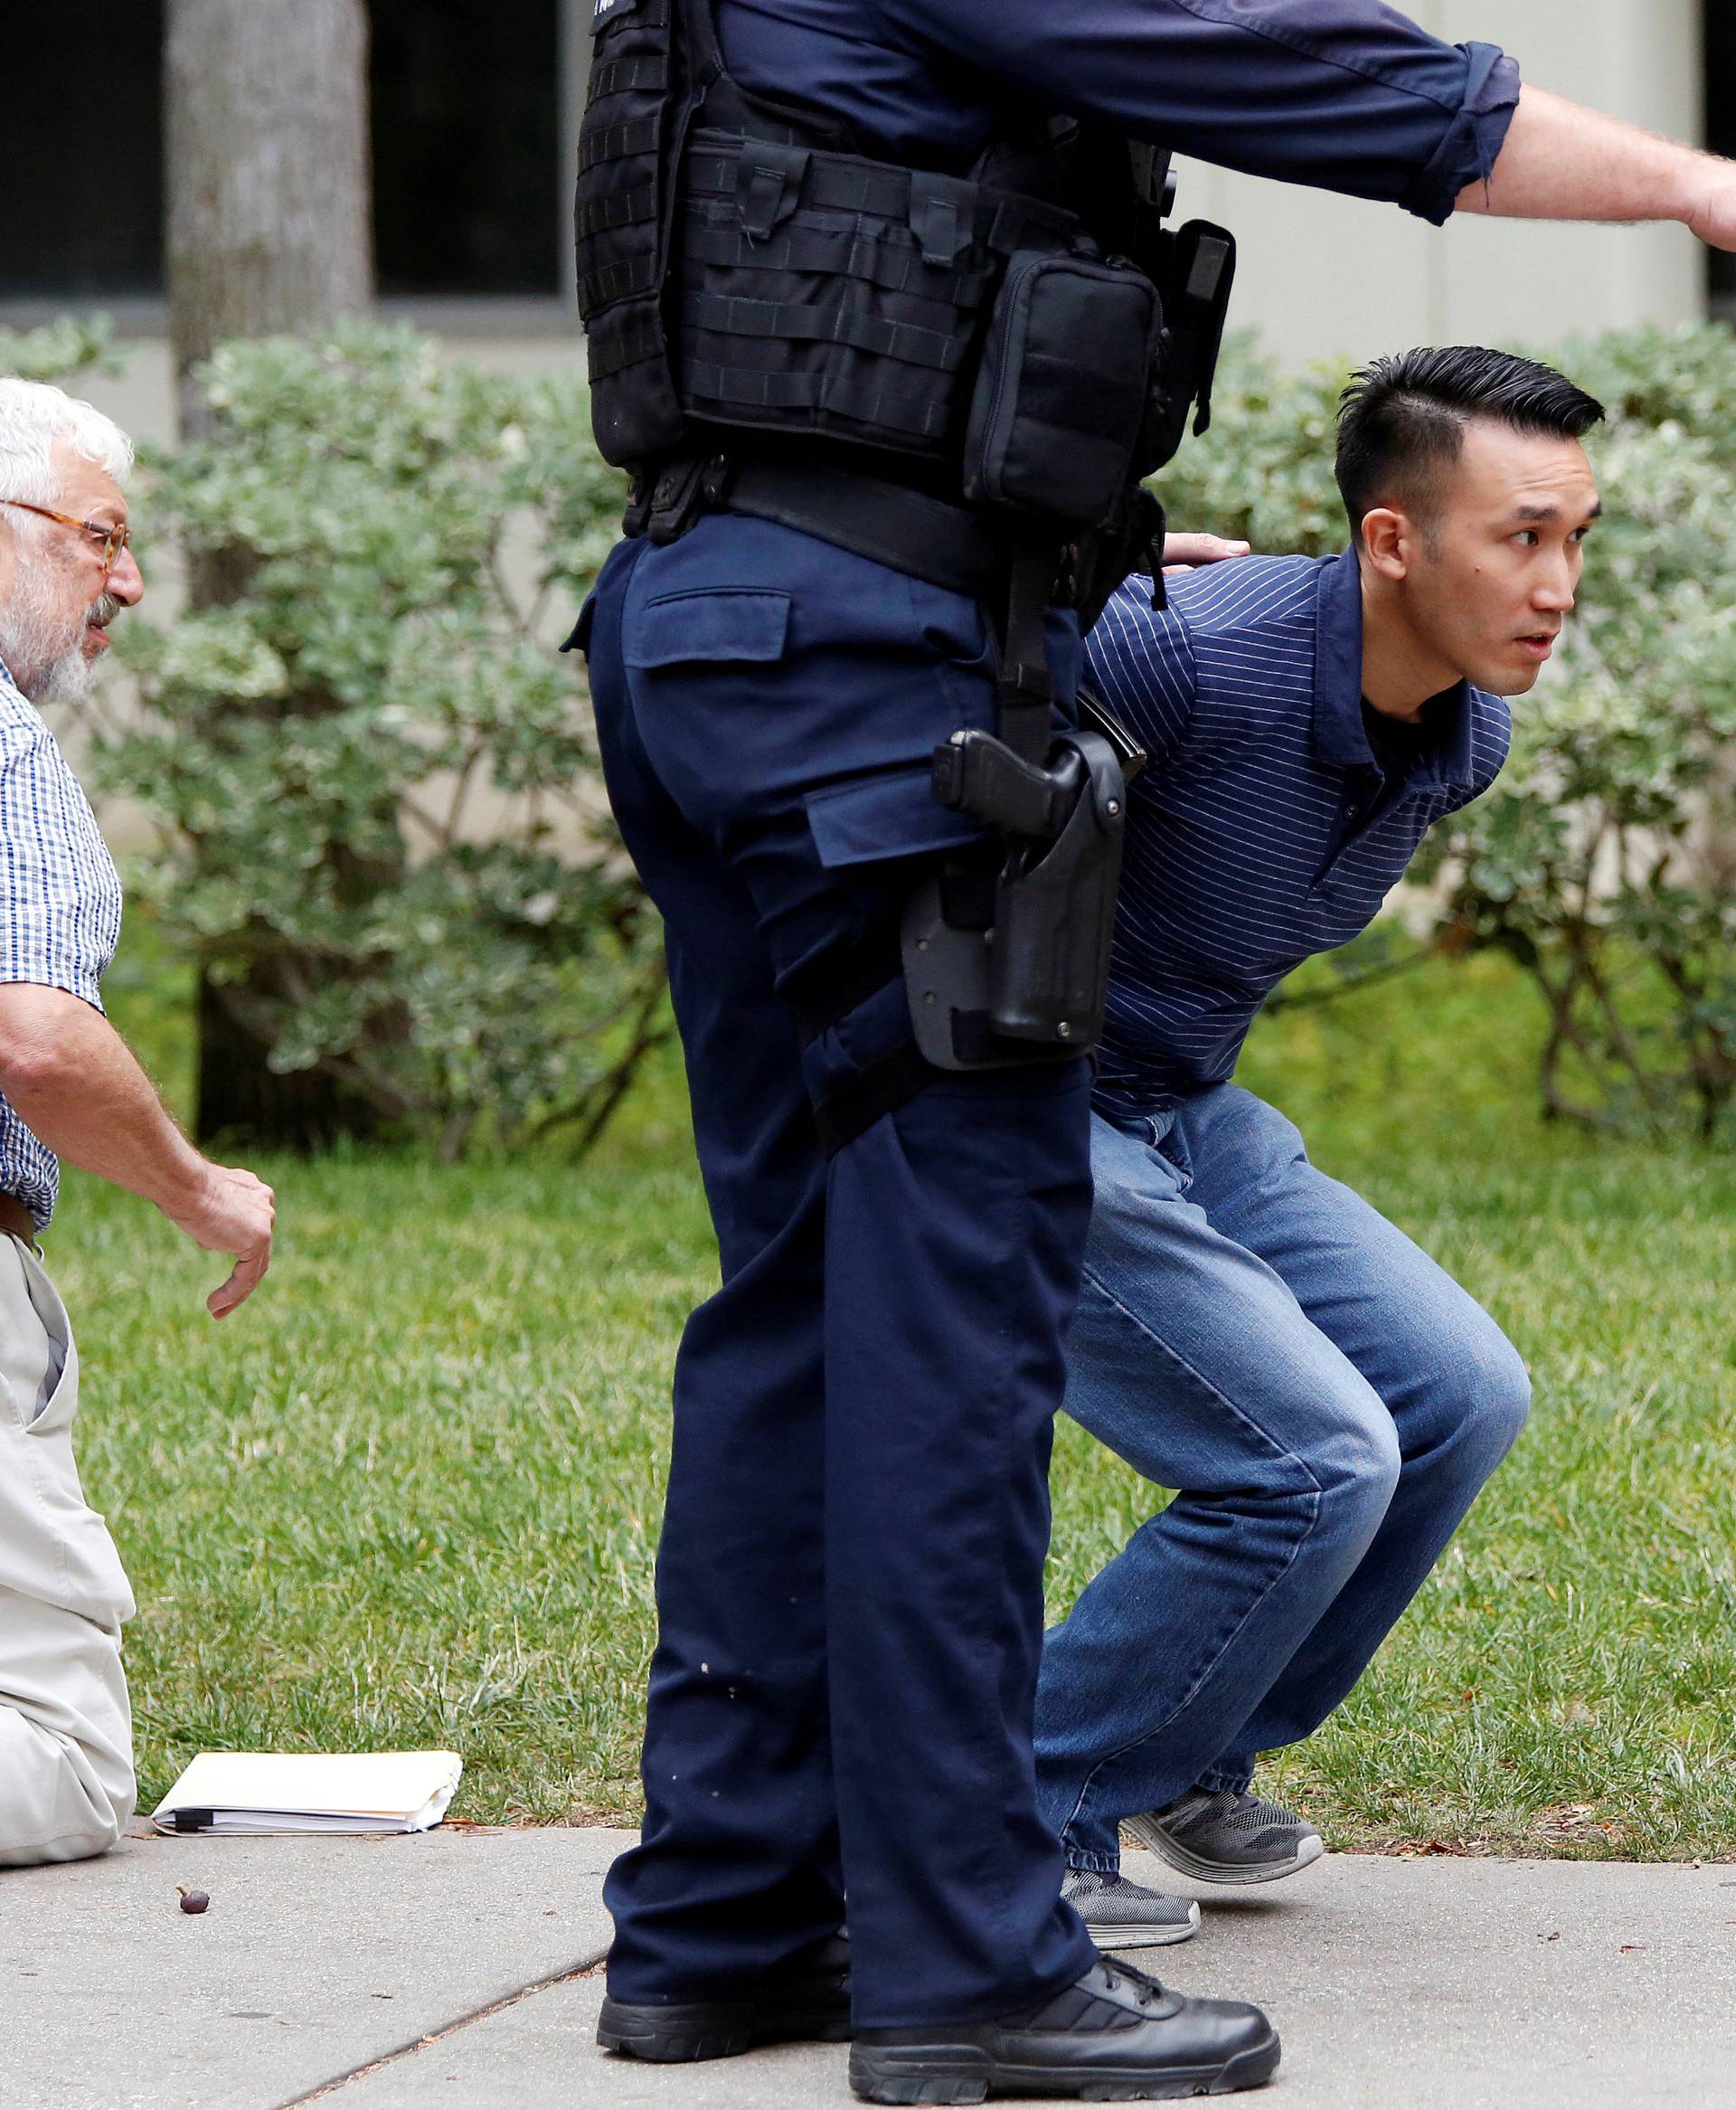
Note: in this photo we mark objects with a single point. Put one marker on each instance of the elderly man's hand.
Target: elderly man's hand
(73, 1081)
(232, 1211)
(1184, 553)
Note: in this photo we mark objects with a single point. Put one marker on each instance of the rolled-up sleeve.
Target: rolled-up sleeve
(1344, 95)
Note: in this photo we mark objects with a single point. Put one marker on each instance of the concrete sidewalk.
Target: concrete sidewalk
(456, 1970)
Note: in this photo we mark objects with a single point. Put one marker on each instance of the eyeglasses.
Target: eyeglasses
(111, 541)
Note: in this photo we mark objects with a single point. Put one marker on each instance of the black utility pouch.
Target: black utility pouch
(1197, 273)
(1063, 388)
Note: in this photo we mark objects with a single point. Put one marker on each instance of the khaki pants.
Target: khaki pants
(66, 1764)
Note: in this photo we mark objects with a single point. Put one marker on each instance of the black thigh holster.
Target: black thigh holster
(1006, 960)
(1006, 951)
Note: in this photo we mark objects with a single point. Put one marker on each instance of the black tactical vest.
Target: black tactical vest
(1026, 337)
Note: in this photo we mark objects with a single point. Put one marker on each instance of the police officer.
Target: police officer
(840, 274)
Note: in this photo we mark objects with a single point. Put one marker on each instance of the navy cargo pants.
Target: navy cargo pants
(849, 1581)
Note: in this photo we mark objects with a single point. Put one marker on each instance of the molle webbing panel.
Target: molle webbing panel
(742, 266)
(827, 293)
(634, 110)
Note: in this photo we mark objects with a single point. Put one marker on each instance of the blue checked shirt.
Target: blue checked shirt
(60, 906)
(1268, 826)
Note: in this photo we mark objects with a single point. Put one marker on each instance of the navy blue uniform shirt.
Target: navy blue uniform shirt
(1346, 95)
(1264, 828)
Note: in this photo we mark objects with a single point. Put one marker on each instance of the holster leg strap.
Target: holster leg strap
(824, 991)
(822, 994)
(850, 1108)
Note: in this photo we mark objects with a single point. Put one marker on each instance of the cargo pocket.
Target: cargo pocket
(891, 814)
(59, 1408)
(79, 1567)
(748, 624)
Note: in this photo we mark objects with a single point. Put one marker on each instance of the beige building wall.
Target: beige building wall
(1323, 276)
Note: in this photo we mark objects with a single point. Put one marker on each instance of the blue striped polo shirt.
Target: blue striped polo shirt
(1264, 829)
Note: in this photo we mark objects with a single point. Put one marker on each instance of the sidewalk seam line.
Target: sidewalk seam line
(508, 1999)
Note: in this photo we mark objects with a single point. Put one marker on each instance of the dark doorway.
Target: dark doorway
(81, 208)
(465, 141)
(466, 144)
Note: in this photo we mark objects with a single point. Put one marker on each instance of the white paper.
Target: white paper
(271, 1791)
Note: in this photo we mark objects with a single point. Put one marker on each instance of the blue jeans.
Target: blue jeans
(1327, 1401)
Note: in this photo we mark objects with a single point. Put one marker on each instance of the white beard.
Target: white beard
(42, 647)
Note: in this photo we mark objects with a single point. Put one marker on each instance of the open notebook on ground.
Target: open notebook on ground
(271, 1791)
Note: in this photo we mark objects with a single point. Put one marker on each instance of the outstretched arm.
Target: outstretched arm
(1342, 95)
(73, 1082)
(1561, 161)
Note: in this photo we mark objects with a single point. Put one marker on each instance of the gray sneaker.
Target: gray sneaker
(1217, 1837)
(1120, 1915)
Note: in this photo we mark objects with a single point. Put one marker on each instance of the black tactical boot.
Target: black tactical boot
(808, 1997)
(1115, 2036)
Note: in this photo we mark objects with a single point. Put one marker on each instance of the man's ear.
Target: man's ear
(1389, 542)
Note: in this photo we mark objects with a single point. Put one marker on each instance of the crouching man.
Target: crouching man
(71, 1090)
(1250, 1332)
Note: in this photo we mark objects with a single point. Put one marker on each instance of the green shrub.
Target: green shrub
(1603, 862)
(1264, 469)
(384, 836)
(377, 782)
(63, 351)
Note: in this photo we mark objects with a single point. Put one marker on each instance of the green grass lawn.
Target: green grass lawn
(409, 1494)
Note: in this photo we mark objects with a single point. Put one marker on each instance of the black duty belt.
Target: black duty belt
(888, 522)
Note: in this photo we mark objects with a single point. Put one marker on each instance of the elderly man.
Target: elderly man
(71, 1090)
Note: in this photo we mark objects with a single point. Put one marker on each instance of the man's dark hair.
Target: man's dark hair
(1403, 420)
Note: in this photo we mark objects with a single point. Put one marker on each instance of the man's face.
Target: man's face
(57, 600)
(1490, 585)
